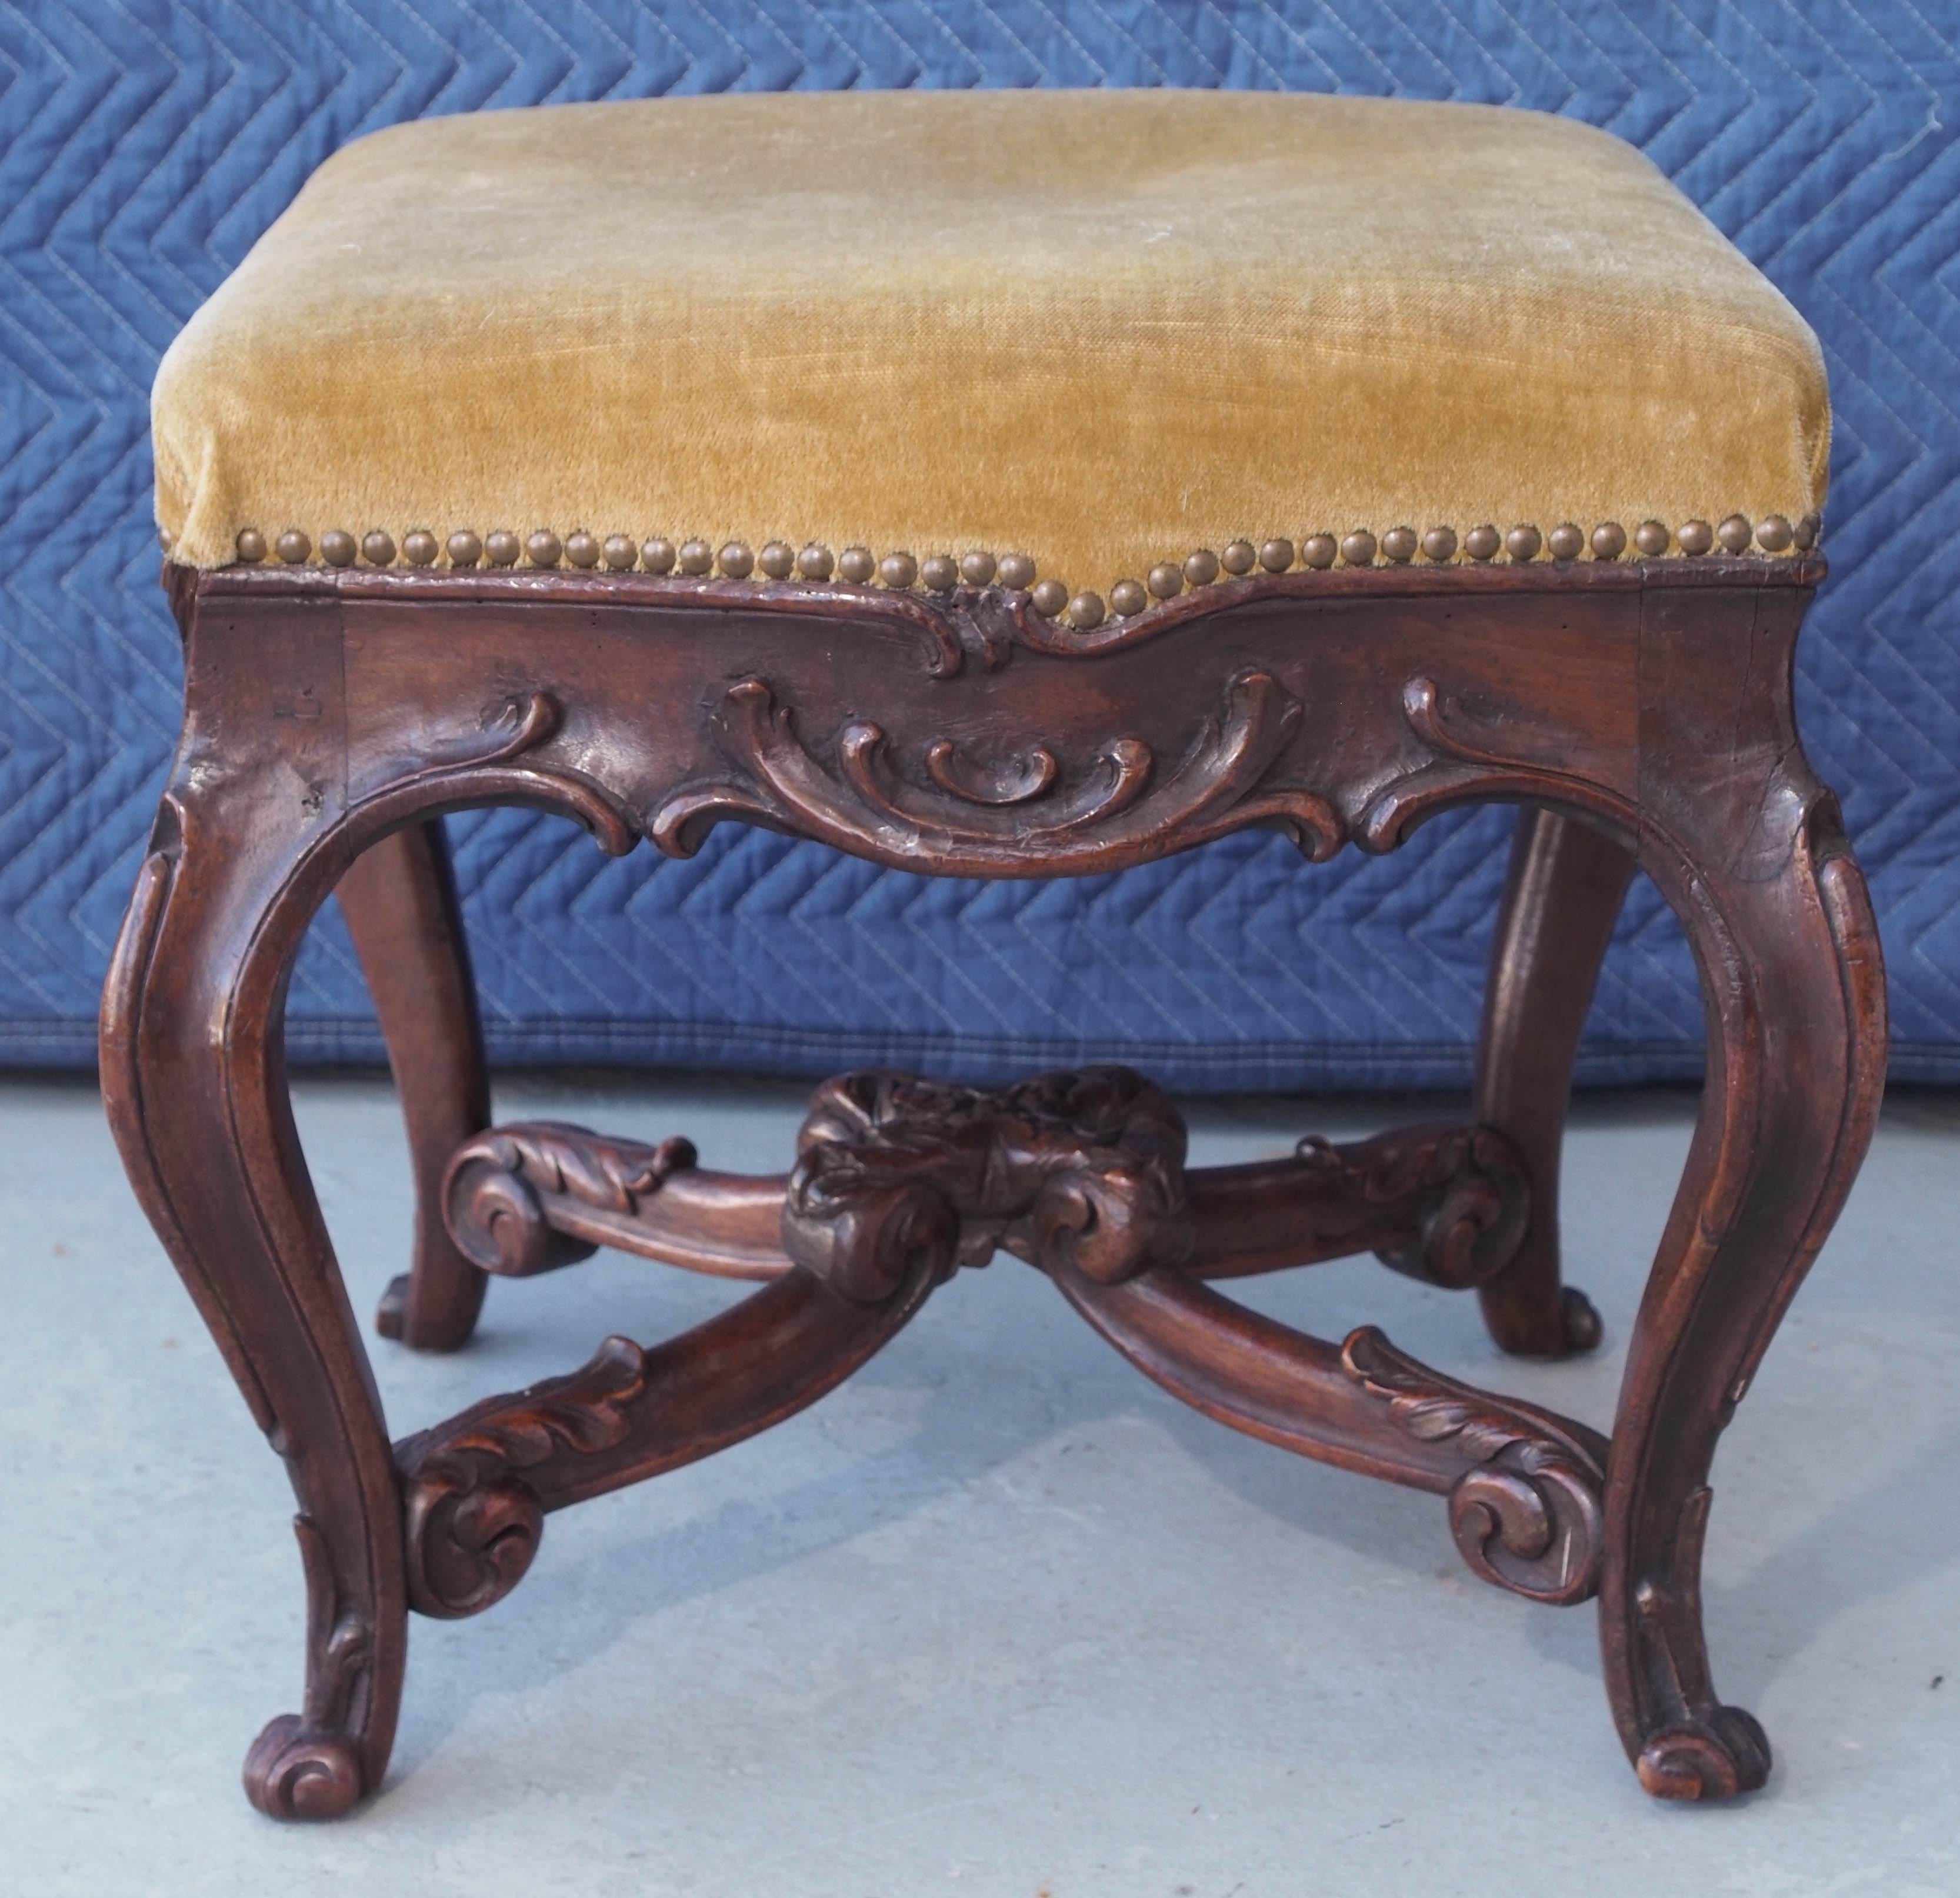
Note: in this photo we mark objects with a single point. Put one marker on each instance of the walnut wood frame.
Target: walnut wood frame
(1639, 712)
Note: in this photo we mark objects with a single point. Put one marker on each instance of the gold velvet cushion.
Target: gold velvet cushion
(1101, 331)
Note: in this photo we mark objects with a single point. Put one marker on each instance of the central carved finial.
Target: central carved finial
(1083, 1169)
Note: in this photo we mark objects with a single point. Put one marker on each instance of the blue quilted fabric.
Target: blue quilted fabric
(147, 144)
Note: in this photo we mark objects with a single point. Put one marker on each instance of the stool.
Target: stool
(993, 485)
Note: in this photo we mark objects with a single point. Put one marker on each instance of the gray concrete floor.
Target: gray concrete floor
(996, 1618)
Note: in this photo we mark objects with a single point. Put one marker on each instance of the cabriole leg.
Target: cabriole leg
(1561, 898)
(1749, 850)
(194, 1080)
(399, 898)
(1796, 995)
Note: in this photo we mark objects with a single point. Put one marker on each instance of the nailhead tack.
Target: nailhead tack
(978, 567)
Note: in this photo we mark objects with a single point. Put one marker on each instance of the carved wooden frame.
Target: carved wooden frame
(1639, 711)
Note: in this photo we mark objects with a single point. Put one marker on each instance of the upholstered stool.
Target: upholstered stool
(993, 485)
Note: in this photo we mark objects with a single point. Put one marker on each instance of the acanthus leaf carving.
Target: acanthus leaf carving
(1529, 1515)
(491, 1188)
(473, 1524)
(1083, 1168)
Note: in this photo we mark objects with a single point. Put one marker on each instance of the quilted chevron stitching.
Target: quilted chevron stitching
(146, 146)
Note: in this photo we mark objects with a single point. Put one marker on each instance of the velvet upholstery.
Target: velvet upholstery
(1103, 328)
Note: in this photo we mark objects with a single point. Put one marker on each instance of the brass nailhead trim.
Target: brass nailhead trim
(1051, 597)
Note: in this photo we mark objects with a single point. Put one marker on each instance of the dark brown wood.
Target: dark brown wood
(1642, 708)
(478, 1486)
(537, 1195)
(1444, 1204)
(1561, 898)
(399, 898)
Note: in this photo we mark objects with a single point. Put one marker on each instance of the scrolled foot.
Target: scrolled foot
(296, 1771)
(392, 1313)
(1582, 1328)
(1715, 1759)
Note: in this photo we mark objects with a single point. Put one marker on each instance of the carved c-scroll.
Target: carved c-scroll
(473, 1523)
(1529, 1515)
(490, 1190)
(1116, 807)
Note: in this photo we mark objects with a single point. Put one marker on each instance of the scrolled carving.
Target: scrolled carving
(306, 1765)
(490, 1190)
(1121, 772)
(1014, 782)
(496, 762)
(1468, 1188)
(1460, 761)
(1701, 1748)
(1117, 806)
(1529, 1515)
(473, 1524)
(1083, 1169)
